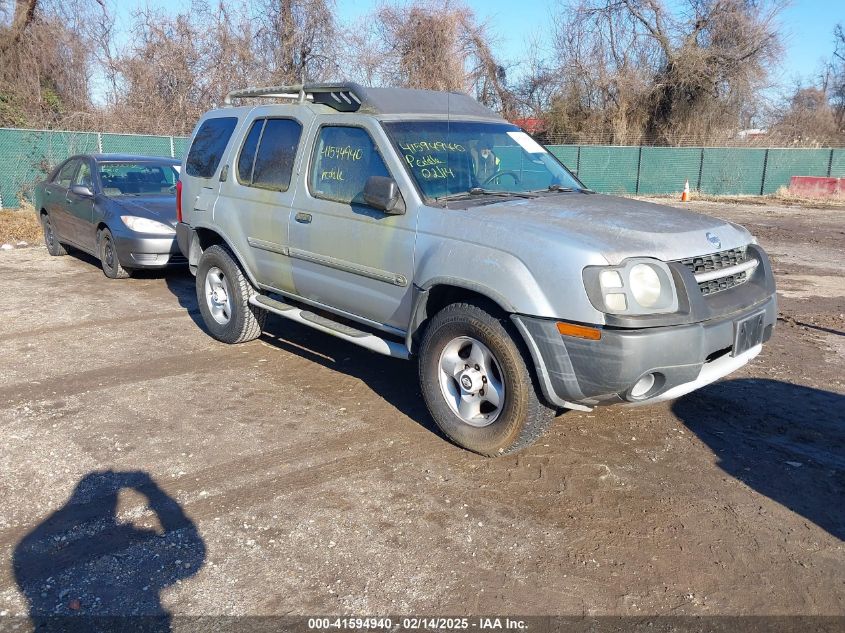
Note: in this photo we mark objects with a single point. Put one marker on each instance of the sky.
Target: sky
(807, 27)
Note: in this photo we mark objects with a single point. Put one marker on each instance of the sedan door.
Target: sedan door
(80, 208)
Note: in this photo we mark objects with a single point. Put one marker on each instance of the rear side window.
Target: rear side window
(208, 146)
(275, 154)
(344, 159)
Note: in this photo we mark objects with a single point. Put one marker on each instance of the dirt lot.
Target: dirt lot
(298, 474)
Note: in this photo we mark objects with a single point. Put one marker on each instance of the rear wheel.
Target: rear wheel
(108, 257)
(51, 240)
(476, 383)
(223, 293)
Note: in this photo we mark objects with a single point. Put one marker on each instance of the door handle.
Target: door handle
(303, 218)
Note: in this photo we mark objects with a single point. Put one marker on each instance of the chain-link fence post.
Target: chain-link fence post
(99, 143)
(765, 166)
(172, 149)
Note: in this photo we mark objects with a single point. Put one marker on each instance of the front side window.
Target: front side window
(65, 175)
(268, 154)
(83, 176)
(209, 145)
(344, 159)
(130, 178)
(451, 157)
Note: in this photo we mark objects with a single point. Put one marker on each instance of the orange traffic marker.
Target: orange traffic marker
(685, 194)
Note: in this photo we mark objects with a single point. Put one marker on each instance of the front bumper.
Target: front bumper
(142, 251)
(682, 357)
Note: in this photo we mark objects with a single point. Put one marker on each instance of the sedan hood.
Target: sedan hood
(159, 208)
(616, 227)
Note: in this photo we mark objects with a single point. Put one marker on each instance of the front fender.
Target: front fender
(498, 275)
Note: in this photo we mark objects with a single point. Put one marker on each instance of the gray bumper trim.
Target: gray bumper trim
(589, 373)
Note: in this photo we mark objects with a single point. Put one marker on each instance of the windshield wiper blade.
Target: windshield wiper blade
(555, 187)
(478, 191)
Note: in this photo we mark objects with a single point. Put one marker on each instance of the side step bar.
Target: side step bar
(340, 330)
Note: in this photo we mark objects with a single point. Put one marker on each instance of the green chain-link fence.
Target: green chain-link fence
(26, 156)
(710, 170)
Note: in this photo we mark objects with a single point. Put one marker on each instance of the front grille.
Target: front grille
(718, 261)
(722, 283)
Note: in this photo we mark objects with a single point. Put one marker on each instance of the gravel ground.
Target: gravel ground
(146, 468)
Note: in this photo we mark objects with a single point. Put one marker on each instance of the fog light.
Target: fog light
(643, 386)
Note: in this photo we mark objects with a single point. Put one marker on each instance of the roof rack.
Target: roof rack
(348, 96)
(340, 96)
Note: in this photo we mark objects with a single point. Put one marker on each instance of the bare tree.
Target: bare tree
(45, 54)
(435, 46)
(643, 72)
(295, 39)
(836, 88)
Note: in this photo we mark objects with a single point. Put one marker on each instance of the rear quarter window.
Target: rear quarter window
(209, 145)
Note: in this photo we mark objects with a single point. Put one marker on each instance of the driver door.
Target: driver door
(80, 208)
(346, 254)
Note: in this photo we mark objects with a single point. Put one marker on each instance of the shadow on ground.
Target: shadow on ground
(83, 569)
(392, 379)
(783, 440)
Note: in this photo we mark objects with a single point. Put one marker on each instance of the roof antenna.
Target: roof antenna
(448, 134)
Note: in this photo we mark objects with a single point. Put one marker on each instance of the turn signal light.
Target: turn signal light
(178, 200)
(579, 331)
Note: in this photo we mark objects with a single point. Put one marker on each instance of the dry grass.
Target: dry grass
(20, 225)
(781, 197)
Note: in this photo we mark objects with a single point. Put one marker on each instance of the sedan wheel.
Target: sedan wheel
(109, 259)
(51, 240)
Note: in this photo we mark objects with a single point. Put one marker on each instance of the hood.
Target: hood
(617, 228)
(159, 208)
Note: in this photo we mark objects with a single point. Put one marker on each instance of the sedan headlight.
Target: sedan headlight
(145, 225)
(636, 287)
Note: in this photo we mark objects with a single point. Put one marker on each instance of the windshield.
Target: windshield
(137, 178)
(452, 157)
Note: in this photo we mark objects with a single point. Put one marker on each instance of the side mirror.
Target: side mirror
(383, 193)
(82, 190)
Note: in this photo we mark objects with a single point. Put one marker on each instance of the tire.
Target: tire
(109, 261)
(456, 336)
(223, 293)
(51, 240)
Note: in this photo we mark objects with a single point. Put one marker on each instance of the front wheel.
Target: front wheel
(223, 293)
(109, 261)
(476, 383)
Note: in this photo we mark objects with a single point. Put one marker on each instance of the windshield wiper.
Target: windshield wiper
(556, 188)
(478, 191)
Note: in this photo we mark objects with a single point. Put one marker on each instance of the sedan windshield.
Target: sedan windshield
(137, 178)
(449, 158)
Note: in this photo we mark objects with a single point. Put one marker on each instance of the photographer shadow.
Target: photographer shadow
(83, 569)
(785, 441)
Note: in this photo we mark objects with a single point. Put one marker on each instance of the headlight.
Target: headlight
(645, 285)
(636, 287)
(145, 225)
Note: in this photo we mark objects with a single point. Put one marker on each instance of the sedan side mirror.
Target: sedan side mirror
(383, 193)
(82, 190)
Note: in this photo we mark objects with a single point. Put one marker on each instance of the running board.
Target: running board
(340, 330)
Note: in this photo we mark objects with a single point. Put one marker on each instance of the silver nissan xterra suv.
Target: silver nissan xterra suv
(421, 224)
